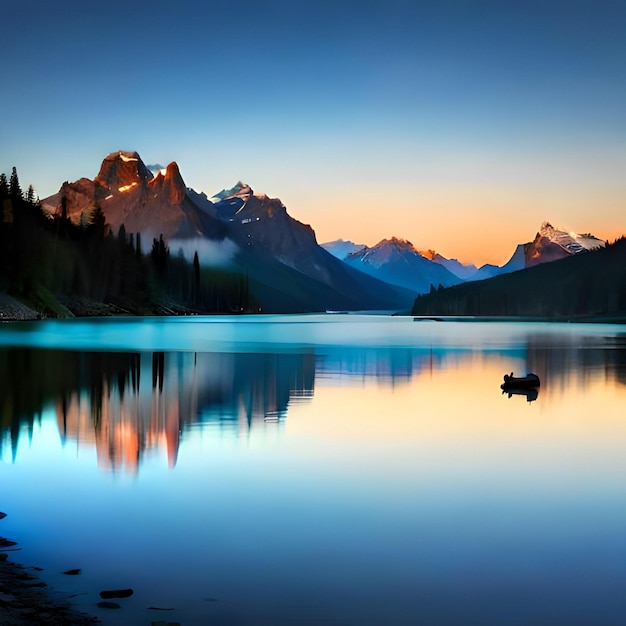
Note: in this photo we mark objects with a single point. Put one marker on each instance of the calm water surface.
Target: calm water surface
(319, 469)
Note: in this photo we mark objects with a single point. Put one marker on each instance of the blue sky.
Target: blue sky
(459, 125)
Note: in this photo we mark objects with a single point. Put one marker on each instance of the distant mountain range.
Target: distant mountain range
(250, 233)
(253, 234)
(580, 286)
(398, 262)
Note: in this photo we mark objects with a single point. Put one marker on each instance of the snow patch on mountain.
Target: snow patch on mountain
(239, 190)
(570, 241)
(396, 261)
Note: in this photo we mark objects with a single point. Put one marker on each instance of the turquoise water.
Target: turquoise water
(302, 469)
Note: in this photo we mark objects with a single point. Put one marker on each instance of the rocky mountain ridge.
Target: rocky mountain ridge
(279, 254)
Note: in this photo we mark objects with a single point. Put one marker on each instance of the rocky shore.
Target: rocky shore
(26, 600)
(13, 310)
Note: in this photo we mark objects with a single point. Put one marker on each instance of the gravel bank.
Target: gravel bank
(26, 600)
(13, 310)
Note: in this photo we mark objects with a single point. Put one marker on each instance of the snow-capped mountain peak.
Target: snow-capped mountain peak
(239, 190)
(397, 261)
(570, 241)
(551, 244)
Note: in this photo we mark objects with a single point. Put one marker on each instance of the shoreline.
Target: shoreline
(12, 310)
(25, 599)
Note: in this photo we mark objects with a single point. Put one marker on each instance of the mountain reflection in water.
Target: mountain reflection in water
(126, 404)
(345, 469)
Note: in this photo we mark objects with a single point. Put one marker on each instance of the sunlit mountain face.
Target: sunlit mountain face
(253, 235)
(286, 269)
(551, 244)
(129, 194)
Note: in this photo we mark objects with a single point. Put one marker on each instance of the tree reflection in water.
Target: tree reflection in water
(128, 403)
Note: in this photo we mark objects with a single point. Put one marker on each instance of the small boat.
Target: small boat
(530, 381)
(530, 393)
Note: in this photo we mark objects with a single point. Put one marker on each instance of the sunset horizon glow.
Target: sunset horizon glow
(459, 127)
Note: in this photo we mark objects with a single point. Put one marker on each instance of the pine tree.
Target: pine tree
(14, 186)
(31, 196)
(160, 254)
(4, 187)
(97, 222)
(196, 277)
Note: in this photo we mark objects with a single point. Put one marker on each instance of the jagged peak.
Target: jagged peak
(428, 254)
(171, 181)
(238, 190)
(172, 173)
(547, 229)
(396, 242)
(557, 233)
(122, 170)
(125, 155)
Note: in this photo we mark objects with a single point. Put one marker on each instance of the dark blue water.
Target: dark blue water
(306, 469)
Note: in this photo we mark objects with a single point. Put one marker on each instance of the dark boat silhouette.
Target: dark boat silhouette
(521, 386)
(531, 393)
(530, 381)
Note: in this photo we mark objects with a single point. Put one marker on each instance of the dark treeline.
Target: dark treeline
(587, 285)
(61, 268)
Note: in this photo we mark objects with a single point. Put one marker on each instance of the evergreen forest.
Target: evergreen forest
(586, 286)
(63, 269)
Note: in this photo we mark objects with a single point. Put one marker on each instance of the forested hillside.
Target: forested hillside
(62, 269)
(588, 285)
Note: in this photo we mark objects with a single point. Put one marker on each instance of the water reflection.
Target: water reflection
(530, 394)
(327, 481)
(129, 404)
(563, 361)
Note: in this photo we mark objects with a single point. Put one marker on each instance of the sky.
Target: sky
(460, 125)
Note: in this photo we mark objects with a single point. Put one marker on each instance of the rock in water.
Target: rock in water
(5, 543)
(116, 593)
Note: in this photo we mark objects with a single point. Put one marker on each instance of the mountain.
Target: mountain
(551, 244)
(464, 272)
(341, 249)
(286, 268)
(588, 285)
(263, 229)
(396, 261)
(128, 193)
(515, 263)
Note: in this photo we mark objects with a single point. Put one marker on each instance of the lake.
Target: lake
(336, 469)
